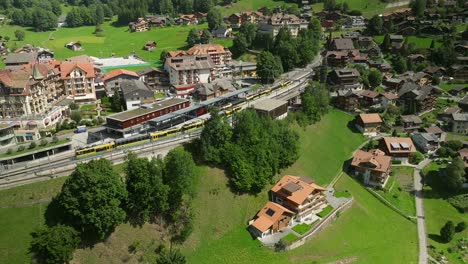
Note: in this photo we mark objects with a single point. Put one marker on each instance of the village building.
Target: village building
(75, 46)
(139, 26)
(271, 219)
(411, 122)
(157, 80)
(416, 98)
(274, 108)
(282, 20)
(388, 99)
(463, 153)
(426, 142)
(219, 87)
(113, 79)
(347, 100)
(78, 81)
(301, 195)
(369, 124)
(135, 93)
(374, 166)
(369, 98)
(396, 41)
(150, 45)
(14, 61)
(398, 148)
(342, 44)
(347, 78)
(459, 123)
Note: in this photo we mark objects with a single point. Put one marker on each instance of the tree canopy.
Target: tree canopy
(54, 244)
(91, 199)
(268, 67)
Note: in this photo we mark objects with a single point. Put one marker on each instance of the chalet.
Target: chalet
(135, 93)
(353, 35)
(205, 91)
(327, 24)
(396, 41)
(398, 148)
(271, 219)
(75, 46)
(342, 44)
(460, 72)
(14, 61)
(411, 122)
(407, 31)
(354, 22)
(222, 32)
(282, 20)
(365, 42)
(462, 60)
(330, 15)
(434, 130)
(189, 19)
(461, 49)
(459, 123)
(300, 195)
(415, 98)
(446, 115)
(374, 52)
(340, 59)
(459, 90)
(347, 100)
(381, 66)
(156, 20)
(369, 124)
(369, 98)
(113, 78)
(155, 79)
(140, 25)
(44, 55)
(234, 20)
(150, 45)
(463, 103)
(418, 58)
(435, 71)
(374, 166)
(347, 78)
(388, 99)
(426, 142)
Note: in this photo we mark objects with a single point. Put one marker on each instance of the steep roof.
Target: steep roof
(20, 58)
(205, 49)
(343, 44)
(298, 196)
(370, 118)
(135, 88)
(374, 160)
(269, 214)
(67, 67)
(411, 118)
(396, 145)
(118, 72)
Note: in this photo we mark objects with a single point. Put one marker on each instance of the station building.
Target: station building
(276, 109)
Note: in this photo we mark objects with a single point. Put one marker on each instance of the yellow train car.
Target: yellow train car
(266, 91)
(250, 97)
(79, 153)
(192, 126)
(165, 133)
(224, 107)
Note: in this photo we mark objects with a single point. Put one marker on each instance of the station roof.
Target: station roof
(127, 115)
(269, 104)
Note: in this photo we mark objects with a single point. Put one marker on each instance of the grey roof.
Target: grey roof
(210, 88)
(292, 187)
(461, 117)
(190, 62)
(399, 37)
(347, 72)
(269, 104)
(343, 44)
(22, 58)
(148, 70)
(464, 100)
(135, 88)
(433, 130)
(127, 115)
(411, 118)
(420, 92)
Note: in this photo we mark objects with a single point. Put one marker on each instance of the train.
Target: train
(227, 109)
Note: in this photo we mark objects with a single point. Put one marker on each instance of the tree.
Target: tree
(19, 34)
(455, 145)
(43, 20)
(99, 14)
(416, 157)
(91, 199)
(7, 38)
(268, 67)
(193, 37)
(116, 102)
(179, 174)
(75, 115)
(455, 174)
(239, 45)
(170, 257)
(203, 6)
(447, 232)
(147, 194)
(418, 7)
(315, 101)
(214, 137)
(386, 43)
(214, 18)
(329, 5)
(205, 37)
(460, 226)
(345, 7)
(287, 51)
(166, 7)
(375, 78)
(375, 25)
(249, 32)
(399, 64)
(54, 244)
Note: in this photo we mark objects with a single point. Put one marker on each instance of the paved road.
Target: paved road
(421, 218)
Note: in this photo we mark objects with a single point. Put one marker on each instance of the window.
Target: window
(270, 212)
(279, 200)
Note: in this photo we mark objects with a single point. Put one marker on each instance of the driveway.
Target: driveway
(421, 218)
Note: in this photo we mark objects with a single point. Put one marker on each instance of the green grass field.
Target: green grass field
(301, 228)
(325, 146)
(453, 136)
(248, 5)
(397, 193)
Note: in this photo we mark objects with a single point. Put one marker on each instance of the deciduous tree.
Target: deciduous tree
(54, 244)
(268, 67)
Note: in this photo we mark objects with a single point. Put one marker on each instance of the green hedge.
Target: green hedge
(325, 211)
(396, 161)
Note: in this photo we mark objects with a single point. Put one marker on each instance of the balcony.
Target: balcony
(7, 137)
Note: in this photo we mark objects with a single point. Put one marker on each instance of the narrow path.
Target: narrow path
(396, 4)
(421, 219)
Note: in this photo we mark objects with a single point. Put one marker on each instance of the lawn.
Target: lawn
(117, 40)
(419, 42)
(88, 107)
(301, 228)
(248, 5)
(453, 136)
(398, 190)
(325, 146)
(290, 237)
(325, 211)
(449, 86)
(341, 194)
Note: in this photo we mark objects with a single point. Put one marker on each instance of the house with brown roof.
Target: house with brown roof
(271, 219)
(398, 148)
(283, 20)
(301, 195)
(388, 99)
(369, 98)
(369, 124)
(150, 45)
(157, 80)
(411, 122)
(78, 81)
(374, 166)
(139, 26)
(342, 44)
(347, 100)
(347, 78)
(75, 46)
(113, 78)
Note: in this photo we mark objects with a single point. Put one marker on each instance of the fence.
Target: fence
(391, 206)
(320, 226)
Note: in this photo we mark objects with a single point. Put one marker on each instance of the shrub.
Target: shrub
(20, 148)
(43, 142)
(280, 246)
(396, 161)
(54, 139)
(74, 106)
(460, 227)
(416, 157)
(460, 202)
(32, 145)
(9, 151)
(447, 232)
